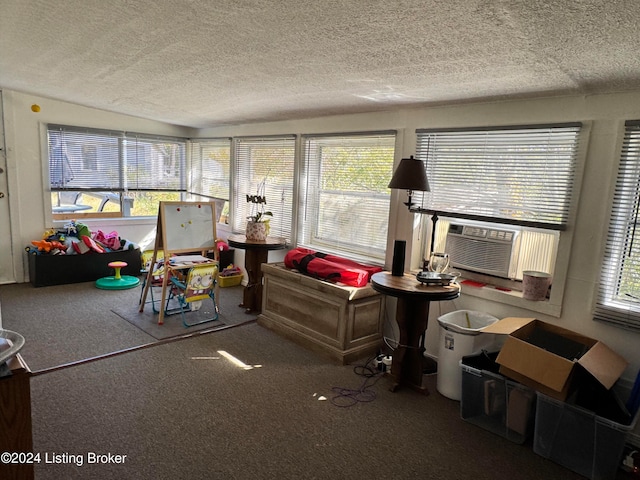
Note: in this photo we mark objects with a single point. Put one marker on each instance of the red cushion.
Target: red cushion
(330, 267)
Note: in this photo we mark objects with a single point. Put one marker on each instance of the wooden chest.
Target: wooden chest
(341, 322)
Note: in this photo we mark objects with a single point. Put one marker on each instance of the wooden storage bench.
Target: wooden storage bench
(341, 322)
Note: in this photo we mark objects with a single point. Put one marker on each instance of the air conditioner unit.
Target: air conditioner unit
(493, 251)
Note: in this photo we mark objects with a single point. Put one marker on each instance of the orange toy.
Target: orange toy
(46, 246)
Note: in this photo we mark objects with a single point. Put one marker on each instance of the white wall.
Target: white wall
(25, 137)
(603, 116)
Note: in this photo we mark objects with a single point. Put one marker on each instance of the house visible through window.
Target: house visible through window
(113, 173)
(344, 197)
(618, 297)
(504, 194)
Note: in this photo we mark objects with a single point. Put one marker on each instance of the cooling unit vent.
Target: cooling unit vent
(481, 249)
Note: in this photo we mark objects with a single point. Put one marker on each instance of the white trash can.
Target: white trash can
(460, 335)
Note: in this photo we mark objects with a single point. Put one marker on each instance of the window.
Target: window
(264, 166)
(514, 181)
(124, 173)
(210, 167)
(513, 175)
(210, 172)
(344, 194)
(618, 297)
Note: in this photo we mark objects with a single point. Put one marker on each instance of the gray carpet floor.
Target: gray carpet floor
(240, 403)
(68, 323)
(182, 410)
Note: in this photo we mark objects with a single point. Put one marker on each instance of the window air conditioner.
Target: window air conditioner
(488, 250)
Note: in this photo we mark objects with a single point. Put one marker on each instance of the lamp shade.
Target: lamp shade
(410, 175)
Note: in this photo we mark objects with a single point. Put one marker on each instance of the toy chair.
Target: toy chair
(198, 284)
(158, 272)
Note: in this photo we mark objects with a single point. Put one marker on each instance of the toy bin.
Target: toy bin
(460, 335)
(579, 439)
(230, 281)
(494, 402)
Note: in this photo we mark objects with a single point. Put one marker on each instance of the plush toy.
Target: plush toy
(221, 245)
(109, 240)
(49, 247)
(70, 242)
(230, 271)
(89, 242)
(71, 228)
(127, 245)
(82, 230)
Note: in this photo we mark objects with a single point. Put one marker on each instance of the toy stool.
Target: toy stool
(117, 281)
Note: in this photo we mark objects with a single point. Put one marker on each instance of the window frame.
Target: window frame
(124, 147)
(245, 184)
(489, 159)
(622, 234)
(309, 220)
(553, 306)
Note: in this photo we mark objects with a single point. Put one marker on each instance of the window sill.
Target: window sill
(511, 297)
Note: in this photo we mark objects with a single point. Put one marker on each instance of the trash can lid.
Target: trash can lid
(466, 322)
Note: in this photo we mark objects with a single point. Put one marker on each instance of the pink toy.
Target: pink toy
(109, 240)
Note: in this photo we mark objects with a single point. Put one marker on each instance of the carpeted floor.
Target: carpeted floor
(69, 323)
(239, 403)
(186, 410)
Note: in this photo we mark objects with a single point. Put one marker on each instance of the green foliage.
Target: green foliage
(260, 217)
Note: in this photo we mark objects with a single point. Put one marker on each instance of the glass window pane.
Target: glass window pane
(345, 194)
(264, 166)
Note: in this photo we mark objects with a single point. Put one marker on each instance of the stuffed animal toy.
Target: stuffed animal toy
(49, 247)
(109, 240)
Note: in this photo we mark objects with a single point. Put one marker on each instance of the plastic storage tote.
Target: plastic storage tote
(493, 402)
(578, 438)
(460, 335)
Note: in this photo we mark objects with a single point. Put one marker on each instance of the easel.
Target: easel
(183, 227)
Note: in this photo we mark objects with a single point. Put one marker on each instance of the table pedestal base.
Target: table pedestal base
(252, 295)
(407, 365)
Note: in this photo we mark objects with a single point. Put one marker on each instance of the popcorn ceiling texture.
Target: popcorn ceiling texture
(203, 63)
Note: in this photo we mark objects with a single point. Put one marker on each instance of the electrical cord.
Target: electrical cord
(346, 397)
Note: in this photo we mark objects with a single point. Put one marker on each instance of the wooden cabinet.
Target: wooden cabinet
(15, 418)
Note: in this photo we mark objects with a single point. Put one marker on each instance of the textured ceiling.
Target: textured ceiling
(203, 63)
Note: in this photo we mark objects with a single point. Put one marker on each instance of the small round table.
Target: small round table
(412, 316)
(257, 253)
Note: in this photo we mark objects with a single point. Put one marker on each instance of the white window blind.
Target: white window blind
(618, 298)
(210, 167)
(264, 163)
(83, 159)
(344, 194)
(518, 175)
(154, 163)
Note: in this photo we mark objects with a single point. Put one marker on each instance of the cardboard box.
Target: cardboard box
(544, 356)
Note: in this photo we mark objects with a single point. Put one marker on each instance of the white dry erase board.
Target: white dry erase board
(187, 226)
